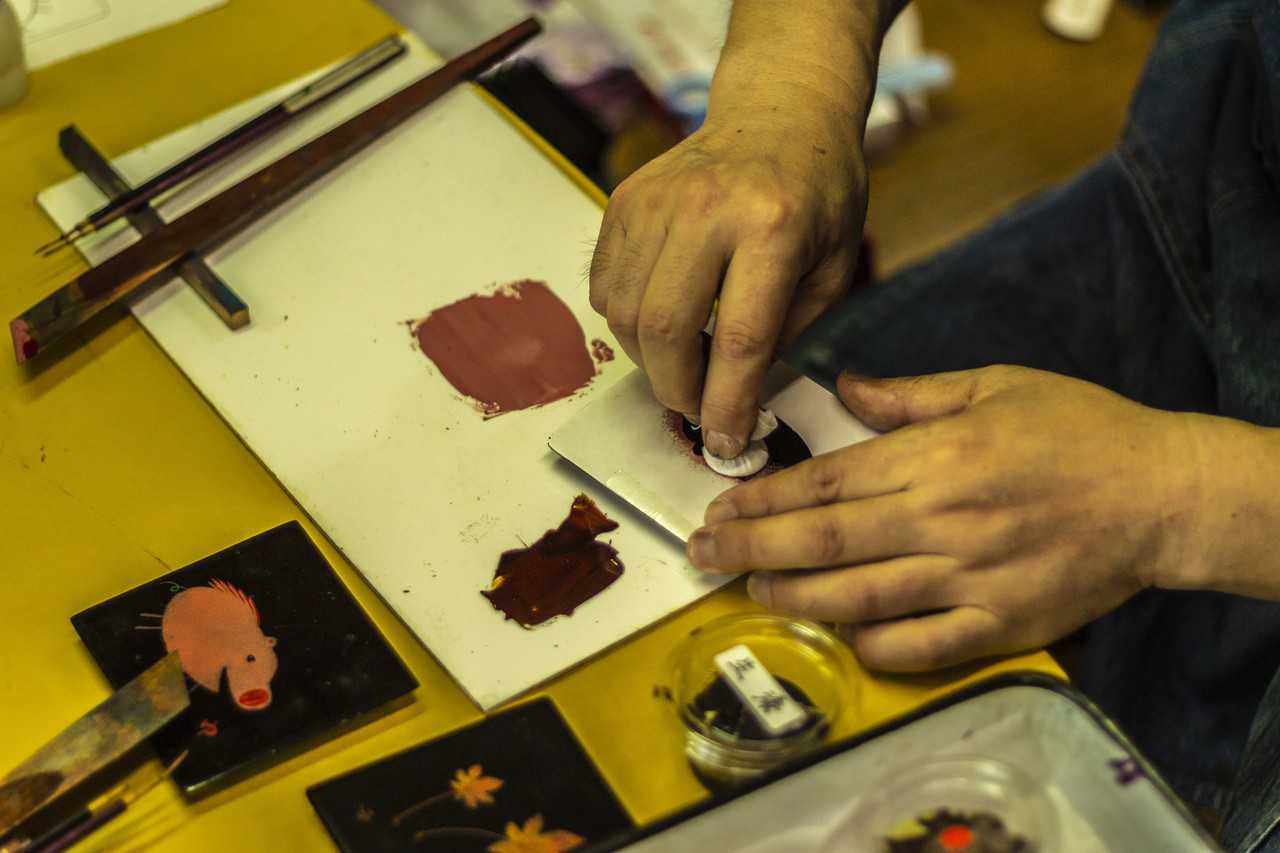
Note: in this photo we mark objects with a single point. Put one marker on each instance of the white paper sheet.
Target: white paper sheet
(57, 29)
(327, 389)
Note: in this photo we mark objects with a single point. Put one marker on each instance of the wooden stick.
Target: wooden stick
(221, 217)
(204, 281)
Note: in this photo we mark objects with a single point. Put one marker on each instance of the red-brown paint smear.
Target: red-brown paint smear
(512, 349)
(558, 572)
(602, 351)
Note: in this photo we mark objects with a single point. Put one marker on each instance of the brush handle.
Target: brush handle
(360, 66)
(80, 827)
(229, 212)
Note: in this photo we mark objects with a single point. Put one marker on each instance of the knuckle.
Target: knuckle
(738, 341)
(825, 480)
(702, 192)
(828, 540)
(772, 213)
(1004, 372)
(622, 325)
(663, 326)
(997, 376)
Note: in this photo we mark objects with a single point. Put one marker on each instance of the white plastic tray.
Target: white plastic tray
(1040, 725)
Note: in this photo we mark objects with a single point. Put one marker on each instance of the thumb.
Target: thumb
(885, 404)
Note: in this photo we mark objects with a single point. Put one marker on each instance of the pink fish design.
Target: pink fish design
(215, 629)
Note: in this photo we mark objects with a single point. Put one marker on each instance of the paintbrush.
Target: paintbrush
(97, 814)
(221, 217)
(350, 72)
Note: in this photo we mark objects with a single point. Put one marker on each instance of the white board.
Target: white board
(418, 491)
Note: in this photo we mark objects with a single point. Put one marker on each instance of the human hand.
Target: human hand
(760, 208)
(1002, 509)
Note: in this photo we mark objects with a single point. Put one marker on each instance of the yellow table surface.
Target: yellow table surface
(114, 470)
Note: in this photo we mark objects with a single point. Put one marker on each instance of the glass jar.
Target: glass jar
(724, 748)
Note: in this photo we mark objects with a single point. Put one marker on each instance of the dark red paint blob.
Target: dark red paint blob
(601, 351)
(558, 572)
(512, 349)
(208, 728)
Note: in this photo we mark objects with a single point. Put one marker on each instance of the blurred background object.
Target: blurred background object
(1081, 20)
(641, 71)
(995, 108)
(13, 63)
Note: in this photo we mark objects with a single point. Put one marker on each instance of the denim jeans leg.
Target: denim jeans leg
(1068, 282)
(1252, 821)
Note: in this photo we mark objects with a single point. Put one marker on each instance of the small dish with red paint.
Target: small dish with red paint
(724, 743)
(952, 804)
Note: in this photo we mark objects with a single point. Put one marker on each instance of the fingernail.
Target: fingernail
(722, 444)
(760, 588)
(694, 419)
(719, 510)
(702, 548)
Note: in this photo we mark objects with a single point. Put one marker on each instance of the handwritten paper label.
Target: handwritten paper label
(769, 702)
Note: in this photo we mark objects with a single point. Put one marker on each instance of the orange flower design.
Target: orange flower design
(531, 839)
(472, 788)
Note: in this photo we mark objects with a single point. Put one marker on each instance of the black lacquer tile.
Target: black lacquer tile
(518, 772)
(269, 603)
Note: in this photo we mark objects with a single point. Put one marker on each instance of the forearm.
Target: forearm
(813, 57)
(1232, 541)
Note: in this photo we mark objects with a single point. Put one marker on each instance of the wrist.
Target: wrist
(1227, 514)
(808, 63)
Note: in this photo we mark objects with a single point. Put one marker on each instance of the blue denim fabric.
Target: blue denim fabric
(1156, 273)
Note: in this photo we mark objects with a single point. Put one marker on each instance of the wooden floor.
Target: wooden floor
(1026, 110)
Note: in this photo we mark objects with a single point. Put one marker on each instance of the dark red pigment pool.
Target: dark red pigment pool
(560, 571)
(512, 349)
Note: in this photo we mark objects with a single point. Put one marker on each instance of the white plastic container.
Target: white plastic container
(13, 63)
(1078, 20)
